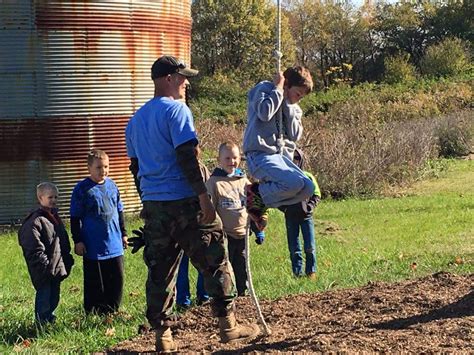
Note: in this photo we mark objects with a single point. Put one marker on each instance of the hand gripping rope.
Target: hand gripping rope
(253, 296)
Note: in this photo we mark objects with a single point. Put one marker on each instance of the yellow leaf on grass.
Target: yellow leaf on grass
(459, 260)
(110, 332)
(413, 266)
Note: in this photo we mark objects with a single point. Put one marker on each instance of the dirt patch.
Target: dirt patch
(431, 314)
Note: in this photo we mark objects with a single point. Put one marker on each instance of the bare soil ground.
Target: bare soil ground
(431, 314)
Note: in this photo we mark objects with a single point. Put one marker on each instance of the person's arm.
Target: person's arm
(266, 103)
(76, 229)
(79, 246)
(294, 126)
(123, 230)
(76, 210)
(134, 167)
(189, 164)
(33, 248)
(212, 193)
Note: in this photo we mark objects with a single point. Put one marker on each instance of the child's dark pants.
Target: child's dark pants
(103, 284)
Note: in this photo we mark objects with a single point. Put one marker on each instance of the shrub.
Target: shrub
(447, 58)
(455, 135)
(220, 97)
(398, 69)
(360, 158)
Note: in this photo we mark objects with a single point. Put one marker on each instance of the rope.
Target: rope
(278, 54)
(253, 296)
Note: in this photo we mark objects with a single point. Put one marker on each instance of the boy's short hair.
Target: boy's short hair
(228, 145)
(45, 186)
(298, 76)
(95, 154)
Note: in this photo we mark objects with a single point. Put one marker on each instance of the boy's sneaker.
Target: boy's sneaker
(255, 206)
(312, 276)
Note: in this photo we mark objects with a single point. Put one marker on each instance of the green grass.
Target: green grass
(358, 241)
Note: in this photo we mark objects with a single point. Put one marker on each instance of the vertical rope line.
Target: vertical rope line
(278, 56)
(253, 296)
(278, 37)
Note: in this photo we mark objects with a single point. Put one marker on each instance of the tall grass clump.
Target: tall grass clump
(456, 135)
(354, 155)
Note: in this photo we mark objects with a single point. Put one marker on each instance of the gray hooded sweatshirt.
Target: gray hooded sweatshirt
(261, 133)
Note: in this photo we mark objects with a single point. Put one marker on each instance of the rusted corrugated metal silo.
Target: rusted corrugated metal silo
(71, 75)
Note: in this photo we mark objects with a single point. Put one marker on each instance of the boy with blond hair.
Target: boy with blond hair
(98, 231)
(273, 128)
(47, 251)
(227, 189)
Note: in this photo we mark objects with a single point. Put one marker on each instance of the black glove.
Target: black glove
(137, 242)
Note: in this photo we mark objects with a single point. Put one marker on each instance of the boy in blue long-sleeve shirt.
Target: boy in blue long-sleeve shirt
(273, 128)
(98, 231)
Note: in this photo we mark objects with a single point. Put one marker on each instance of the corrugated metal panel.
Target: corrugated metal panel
(71, 75)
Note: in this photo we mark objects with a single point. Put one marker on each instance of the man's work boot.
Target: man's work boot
(231, 332)
(164, 342)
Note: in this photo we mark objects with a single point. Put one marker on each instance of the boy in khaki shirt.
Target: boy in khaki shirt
(227, 189)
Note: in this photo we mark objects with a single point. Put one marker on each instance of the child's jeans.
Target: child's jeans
(281, 181)
(183, 294)
(294, 246)
(46, 301)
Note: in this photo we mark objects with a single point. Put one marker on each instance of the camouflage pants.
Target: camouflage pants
(171, 227)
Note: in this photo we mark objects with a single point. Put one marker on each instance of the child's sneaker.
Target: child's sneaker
(255, 207)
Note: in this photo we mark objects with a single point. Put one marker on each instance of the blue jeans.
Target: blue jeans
(46, 301)
(183, 294)
(281, 181)
(294, 246)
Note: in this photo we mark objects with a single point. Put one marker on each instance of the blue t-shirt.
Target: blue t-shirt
(152, 135)
(98, 207)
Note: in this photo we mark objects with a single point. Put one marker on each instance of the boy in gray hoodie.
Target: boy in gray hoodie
(273, 128)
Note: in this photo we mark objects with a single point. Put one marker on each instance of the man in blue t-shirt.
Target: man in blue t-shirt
(98, 231)
(161, 142)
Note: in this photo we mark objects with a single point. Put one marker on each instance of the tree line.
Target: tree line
(336, 40)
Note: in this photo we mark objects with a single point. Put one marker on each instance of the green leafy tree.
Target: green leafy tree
(405, 27)
(324, 34)
(238, 36)
(454, 19)
(449, 57)
(398, 69)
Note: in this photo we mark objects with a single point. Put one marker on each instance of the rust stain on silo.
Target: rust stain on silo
(84, 69)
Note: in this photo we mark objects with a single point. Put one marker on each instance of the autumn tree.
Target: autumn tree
(238, 36)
